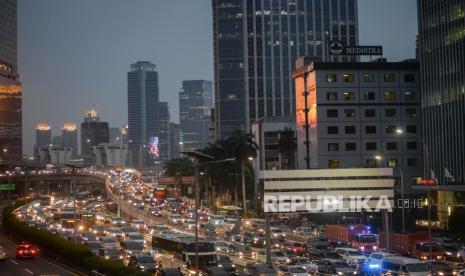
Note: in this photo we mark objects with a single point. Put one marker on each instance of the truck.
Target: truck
(413, 245)
(358, 236)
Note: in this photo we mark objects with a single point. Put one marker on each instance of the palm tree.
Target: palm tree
(287, 146)
(243, 147)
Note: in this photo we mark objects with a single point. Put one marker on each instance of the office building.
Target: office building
(143, 117)
(93, 132)
(10, 87)
(115, 134)
(164, 134)
(54, 155)
(57, 141)
(43, 135)
(110, 155)
(441, 39)
(255, 45)
(175, 141)
(360, 114)
(70, 137)
(195, 103)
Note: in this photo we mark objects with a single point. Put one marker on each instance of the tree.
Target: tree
(243, 147)
(287, 146)
(181, 166)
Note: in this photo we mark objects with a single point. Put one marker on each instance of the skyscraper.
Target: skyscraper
(70, 137)
(255, 45)
(10, 87)
(164, 134)
(175, 141)
(195, 103)
(441, 50)
(93, 132)
(143, 98)
(43, 135)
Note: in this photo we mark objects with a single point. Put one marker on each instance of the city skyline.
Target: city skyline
(103, 77)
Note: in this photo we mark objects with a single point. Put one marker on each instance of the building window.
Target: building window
(349, 113)
(369, 78)
(348, 77)
(412, 129)
(333, 130)
(409, 96)
(370, 129)
(390, 112)
(370, 146)
(349, 129)
(389, 96)
(351, 146)
(331, 96)
(411, 112)
(391, 129)
(333, 147)
(372, 163)
(370, 112)
(409, 78)
(349, 96)
(331, 78)
(331, 113)
(369, 96)
(389, 77)
(411, 145)
(392, 163)
(391, 146)
(333, 164)
(412, 162)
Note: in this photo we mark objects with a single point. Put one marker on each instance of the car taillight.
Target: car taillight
(20, 252)
(4, 253)
(33, 251)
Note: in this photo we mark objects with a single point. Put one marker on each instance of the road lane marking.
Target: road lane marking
(29, 271)
(15, 262)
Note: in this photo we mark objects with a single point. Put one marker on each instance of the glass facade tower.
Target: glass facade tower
(256, 43)
(441, 51)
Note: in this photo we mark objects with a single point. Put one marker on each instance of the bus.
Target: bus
(45, 200)
(68, 220)
(183, 247)
(160, 193)
(230, 211)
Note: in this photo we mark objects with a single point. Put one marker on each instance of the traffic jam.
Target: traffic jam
(161, 238)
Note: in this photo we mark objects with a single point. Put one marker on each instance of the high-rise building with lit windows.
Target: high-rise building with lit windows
(256, 43)
(10, 87)
(93, 132)
(70, 137)
(441, 42)
(43, 135)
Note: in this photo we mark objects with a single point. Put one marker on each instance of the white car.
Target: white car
(175, 219)
(276, 256)
(116, 221)
(221, 246)
(138, 224)
(277, 232)
(216, 219)
(351, 255)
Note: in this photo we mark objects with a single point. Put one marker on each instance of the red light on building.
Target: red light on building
(427, 182)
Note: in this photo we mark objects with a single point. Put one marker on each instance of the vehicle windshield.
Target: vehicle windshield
(333, 256)
(277, 254)
(145, 259)
(367, 238)
(296, 269)
(134, 246)
(417, 267)
(303, 260)
(111, 253)
(441, 266)
(265, 268)
(425, 247)
(355, 253)
(450, 248)
(136, 237)
(340, 264)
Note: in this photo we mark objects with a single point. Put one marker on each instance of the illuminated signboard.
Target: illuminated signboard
(154, 149)
(426, 181)
(337, 48)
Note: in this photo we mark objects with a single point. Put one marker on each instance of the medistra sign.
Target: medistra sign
(337, 48)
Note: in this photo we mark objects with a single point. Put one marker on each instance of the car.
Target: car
(441, 269)
(296, 247)
(93, 246)
(216, 271)
(3, 253)
(221, 246)
(26, 251)
(143, 262)
(404, 266)
(216, 219)
(208, 229)
(292, 270)
(175, 219)
(169, 272)
(242, 251)
(108, 242)
(98, 230)
(115, 232)
(306, 263)
(276, 257)
(138, 224)
(225, 263)
(374, 261)
(129, 230)
(277, 232)
(136, 237)
(335, 267)
(89, 236)
(189, 224)
(117, 221)
(110, 254)
(157, 228)
(452, 253)
(154, 211)
(260, 269)
(351, 255)
(129, 248)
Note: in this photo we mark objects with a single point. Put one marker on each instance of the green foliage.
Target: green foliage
(75, 254)
(179, 166)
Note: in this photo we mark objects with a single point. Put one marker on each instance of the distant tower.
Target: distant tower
(143, 117)
(93, 132)
(43, 135)
(70, 137)
(164, 126)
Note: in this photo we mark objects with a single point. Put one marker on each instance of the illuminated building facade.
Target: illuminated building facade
(70, 137)
(93, 132)
(10, 87)
(143, 115)
(441, 42)
(255, 44)
(43, 135)
(359, 114)
(195, 103)
(164, 128)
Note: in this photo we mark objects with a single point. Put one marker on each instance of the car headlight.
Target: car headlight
(440, 273)
(340, 273)
(448, 253)
(220, 265)
(233, 265)
(107, 257)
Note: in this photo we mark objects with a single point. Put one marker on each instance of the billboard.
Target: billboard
(154, 149)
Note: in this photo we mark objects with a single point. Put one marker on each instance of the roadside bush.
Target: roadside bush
(74, 254)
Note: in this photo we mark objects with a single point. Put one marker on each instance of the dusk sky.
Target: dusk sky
(75, 54)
